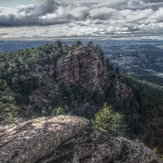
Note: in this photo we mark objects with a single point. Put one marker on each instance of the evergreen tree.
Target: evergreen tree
(109, 120)
(78, 43)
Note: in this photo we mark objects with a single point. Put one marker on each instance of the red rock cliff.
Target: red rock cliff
(87, 67)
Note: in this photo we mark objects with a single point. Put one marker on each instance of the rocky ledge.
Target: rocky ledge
(88, 67)
(37, 138)
(68, 139)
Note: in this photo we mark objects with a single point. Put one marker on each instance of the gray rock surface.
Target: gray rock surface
(91, 146)
(37, 138)
(68, 139)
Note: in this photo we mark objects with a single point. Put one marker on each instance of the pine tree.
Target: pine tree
(109, 120)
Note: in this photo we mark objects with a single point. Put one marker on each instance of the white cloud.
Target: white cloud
(39, 1)
(157, 16)
(116, 18)
(103, 13)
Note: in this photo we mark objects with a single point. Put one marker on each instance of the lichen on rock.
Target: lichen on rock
(91, 146)
(37, 138)
(64, 139)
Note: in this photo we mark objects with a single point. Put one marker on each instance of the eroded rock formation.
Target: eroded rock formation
(37, 138)
(91, 146)
(68, 139)
(87, 67)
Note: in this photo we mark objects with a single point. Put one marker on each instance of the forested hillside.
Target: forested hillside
(73, 79)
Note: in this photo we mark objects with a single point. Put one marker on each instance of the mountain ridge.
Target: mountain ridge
(76, 80)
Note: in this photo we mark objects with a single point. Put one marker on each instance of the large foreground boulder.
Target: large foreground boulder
(68, 139)
(37, 138)
(91, 146)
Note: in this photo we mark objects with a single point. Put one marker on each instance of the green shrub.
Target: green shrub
(109, 120)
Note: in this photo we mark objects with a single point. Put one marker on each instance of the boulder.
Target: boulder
(37, 138)
(91, 146)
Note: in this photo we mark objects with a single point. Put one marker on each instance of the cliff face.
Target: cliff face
(35, 139)
(66, 139)
(86, 67)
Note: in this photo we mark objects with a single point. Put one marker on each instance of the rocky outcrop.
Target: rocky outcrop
(87, 67)
(122, 91)
(91, 146)
(37, 138)
(66, 139)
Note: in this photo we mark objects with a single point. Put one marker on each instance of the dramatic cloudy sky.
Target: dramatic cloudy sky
(106, 19)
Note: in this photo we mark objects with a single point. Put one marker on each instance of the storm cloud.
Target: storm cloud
(116, 18)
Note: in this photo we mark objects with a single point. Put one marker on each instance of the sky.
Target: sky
(86, 19)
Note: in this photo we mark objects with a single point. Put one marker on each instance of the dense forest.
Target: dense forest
(155, 80)
(139, 117)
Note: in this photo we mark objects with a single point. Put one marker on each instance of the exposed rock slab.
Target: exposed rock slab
(90, 146)
(66, 139)
(37, 138)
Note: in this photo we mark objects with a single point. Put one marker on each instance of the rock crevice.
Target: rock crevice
(64, 139)
(83, 66)
(37, 138)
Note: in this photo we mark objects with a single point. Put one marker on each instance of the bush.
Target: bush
(58, 111)
(109, 120)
